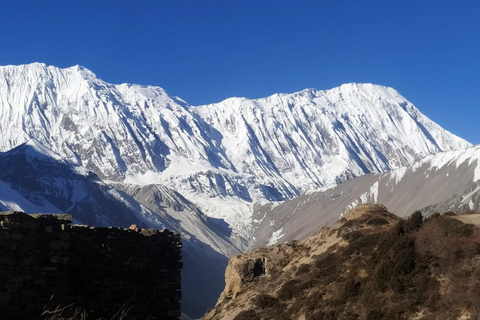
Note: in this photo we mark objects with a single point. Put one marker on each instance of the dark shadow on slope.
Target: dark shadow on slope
(219, 226)
(40, 177)
(202, 277)
(37, 175)
(214, 151)
(425, 132)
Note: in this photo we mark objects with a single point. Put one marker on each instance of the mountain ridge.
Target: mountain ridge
(216, 156)
(201, 170)
(453, 175)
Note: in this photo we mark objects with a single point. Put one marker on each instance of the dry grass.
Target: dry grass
(376, 267)
(73, 312)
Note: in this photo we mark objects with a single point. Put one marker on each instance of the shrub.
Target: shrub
(383, 274)
(347, 224)
(414, 222)
(327, 267)
(303, 268)
(264, 301)
(289, 289)
(363, 243)
(454, 227)
(324, 315)
(377, 222)
(352, 236)
(404, 261)
(309, 284)
(351, 289)
(374, 315)
(247, 315)
(451, 236)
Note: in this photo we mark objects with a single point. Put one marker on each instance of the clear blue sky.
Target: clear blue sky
(206, 51)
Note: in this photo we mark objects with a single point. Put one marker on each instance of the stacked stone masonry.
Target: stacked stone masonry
(52, 267)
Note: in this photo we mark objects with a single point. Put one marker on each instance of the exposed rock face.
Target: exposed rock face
(240, 272)
(370, 265)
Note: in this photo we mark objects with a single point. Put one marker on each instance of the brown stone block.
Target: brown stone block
(4, 233)
(138, 264)
(57, 259)
(5, 298)
(59, 245)
(17, 236)
(64, 236)
(8, 260)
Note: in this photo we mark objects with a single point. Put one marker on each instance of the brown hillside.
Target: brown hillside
(370, 265)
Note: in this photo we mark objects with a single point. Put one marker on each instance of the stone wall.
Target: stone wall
(110, 273)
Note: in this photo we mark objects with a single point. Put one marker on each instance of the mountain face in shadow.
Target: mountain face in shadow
(47, 181)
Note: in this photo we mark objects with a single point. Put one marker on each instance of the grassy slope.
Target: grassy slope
(371, 265)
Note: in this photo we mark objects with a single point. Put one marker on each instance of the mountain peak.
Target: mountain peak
(41, 71)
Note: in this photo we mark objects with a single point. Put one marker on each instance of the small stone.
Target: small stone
(148, 232)
(133, 227)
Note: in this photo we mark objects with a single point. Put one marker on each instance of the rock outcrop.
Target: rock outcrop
(370, 265)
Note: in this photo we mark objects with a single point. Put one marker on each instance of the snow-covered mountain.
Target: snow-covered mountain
(223, 157)
(121, 154)
(447, 181)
